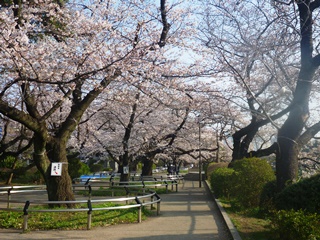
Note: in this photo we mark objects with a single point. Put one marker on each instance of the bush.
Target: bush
(301, 195)
(76, 168)
(251, 175)
(221, 182)
(32, 176)
(211, 167)
(296, 225)
(267, 197)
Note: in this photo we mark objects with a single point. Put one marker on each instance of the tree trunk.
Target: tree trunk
(286, 162)
(124, 177)
(59, 187)
(9, 179)
(46, 152)
(147, 167)
(289, 133)
(124, 168)
(242, 140)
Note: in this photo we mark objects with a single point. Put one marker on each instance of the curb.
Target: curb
(231, 228)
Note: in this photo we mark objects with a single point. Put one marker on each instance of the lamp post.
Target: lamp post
(200, 162)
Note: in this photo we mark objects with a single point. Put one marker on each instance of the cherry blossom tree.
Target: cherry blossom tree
(56, 59)
(298, 128)
(145, 120)
(136, 126)
(263, 48)
(254, 65)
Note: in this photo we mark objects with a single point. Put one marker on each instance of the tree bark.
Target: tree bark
(147, 167)
(124, 163)
(289, 133)
(59, 187)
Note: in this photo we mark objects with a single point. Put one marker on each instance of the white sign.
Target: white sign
(56, 169)
(125, 169)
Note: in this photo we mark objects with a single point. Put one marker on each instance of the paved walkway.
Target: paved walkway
(188, 214)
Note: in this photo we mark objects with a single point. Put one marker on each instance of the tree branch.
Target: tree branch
(166, 25)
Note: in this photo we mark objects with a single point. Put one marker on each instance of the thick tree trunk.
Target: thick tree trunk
(59, 188)
(124, 177)
(286, 161)
(288, 135)
(124, 168)
(147, 167)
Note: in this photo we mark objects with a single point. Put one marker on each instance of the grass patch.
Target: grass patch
(250, 224)
(71, 220)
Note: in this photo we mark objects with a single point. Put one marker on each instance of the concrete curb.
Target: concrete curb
(231, 228)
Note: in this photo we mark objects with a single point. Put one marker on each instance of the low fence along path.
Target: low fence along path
(189, 213)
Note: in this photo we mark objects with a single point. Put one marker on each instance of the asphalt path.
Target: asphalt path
(187, 214)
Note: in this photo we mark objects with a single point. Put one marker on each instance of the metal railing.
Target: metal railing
(114, 185)
(135, 177)
(26, 206)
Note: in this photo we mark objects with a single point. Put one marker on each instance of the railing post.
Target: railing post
(139, 209)
(9, 197)
(139, 214)
(158, 203)
(87, 182)
(25, 215)
(89, 215)
(127, 194)
(90, 191)
(112, 189)
(166, 186)
(144, 187)
(152, 198)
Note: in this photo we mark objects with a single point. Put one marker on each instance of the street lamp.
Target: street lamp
(200, 162)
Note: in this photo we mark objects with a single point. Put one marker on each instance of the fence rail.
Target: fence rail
(114, 185)
(26, 206)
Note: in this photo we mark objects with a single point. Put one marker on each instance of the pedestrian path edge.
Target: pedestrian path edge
(231, 228)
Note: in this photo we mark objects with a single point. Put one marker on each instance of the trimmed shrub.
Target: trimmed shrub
(221, 182)
(301, 195)
(211, 167)
(267, 197)
(296, 225)
(251, 175)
